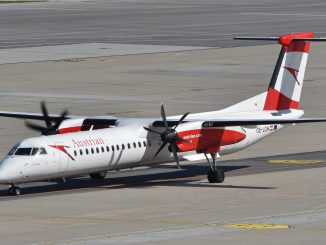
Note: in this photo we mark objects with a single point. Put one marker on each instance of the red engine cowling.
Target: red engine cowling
(209, 140)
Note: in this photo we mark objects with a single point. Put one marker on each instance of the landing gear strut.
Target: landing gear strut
(214, 174)
(14, 190)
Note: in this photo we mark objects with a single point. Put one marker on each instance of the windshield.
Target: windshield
(23, 152)
(12, 151)
(26, 151)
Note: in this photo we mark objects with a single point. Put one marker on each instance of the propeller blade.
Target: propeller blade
(174, 151)
(151, 130)
(159, 149)
(35, 127)
(45, 114)
(61, 119)
(163, 115)
(181, 119)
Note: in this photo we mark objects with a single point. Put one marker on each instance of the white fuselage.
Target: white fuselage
(126, 146)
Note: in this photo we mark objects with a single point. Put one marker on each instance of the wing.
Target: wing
(26, 115)
(52, 117)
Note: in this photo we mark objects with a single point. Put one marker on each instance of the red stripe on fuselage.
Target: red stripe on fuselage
(208, 140)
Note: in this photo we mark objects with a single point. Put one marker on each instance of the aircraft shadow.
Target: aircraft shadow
(131, 179)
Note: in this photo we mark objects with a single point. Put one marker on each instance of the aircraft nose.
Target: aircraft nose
(3, 177)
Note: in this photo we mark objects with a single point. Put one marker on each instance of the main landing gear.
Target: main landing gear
(100, 175)
(14, 190)
(214, 174)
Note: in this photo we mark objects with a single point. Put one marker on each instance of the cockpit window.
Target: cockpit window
(23, 152)
(38, 151)
(43, 151)
(13, 150)
(35, 151)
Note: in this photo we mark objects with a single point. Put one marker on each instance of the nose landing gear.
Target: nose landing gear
(214, 174)
(14, 190)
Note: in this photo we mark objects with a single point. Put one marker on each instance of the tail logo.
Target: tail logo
(293, 72)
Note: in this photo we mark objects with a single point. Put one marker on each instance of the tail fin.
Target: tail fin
(285, 87)
(284, 90)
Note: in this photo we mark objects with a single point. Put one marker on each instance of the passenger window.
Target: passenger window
(75, 153)
(107, 148)
(102, 148)
(86, 151)
(139, 144)
(97, 150)
(128, 145)
(81, 152)
(144, 143)
(123, 146)
(135, 146)
(112, 147)
(118, 147)
(92, 150)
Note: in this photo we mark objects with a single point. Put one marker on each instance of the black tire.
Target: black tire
(14, 191)
(211, 177)
(10, 191)
(100, 175)
(215, 177)
(220, 175)
(17, 191)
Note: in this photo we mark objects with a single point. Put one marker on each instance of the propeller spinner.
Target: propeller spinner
(50, 129)
(169, 136)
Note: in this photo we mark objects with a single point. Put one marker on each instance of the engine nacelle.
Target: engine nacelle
(207, 140)
(85, 124)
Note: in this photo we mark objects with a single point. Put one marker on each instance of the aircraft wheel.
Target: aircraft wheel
(14, 191)
(100, 175)
(215, 176)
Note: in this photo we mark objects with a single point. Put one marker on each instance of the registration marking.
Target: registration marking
(257, 226)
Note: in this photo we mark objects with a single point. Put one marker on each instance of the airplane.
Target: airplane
(74, 146)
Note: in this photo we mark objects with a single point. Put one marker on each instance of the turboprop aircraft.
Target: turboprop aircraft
(74, 146)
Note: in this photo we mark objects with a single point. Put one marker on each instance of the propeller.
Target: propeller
(169, 136)
(50, 129)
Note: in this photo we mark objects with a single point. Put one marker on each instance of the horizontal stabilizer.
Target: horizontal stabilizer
(277, 39)
(253, 122)
(241, 122)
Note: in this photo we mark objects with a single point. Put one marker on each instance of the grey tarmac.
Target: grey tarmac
(159, 204)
